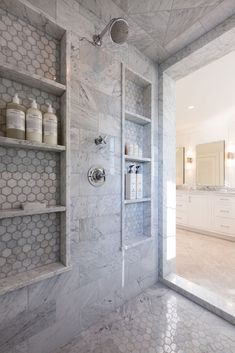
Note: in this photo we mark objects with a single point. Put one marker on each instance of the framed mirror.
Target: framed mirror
(180, 166)
(210, 164)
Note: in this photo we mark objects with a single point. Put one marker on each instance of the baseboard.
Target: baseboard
(205, 232)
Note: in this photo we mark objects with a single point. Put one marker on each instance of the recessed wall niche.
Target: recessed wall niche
(136, 132)
(34, 243)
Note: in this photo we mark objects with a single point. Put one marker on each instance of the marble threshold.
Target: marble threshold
(202, 296)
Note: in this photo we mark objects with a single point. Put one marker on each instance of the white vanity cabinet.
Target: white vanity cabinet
(206, 211)
(199, 211)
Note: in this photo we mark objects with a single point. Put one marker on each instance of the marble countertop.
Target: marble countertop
(210, 192)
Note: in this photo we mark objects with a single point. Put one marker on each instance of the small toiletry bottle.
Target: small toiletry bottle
(131, 183)
(15, 119)
(50, 127)
(129, 150)
(139, 183)
(136, 150)
(34, 123)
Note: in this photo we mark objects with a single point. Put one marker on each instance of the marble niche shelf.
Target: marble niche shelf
(11, 73)
(21, 280)
(20, 213)
(137, 118)
(137, 159)
(9, 142)
(146, 199)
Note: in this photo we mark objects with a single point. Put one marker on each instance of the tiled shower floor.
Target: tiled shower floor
(157, 321)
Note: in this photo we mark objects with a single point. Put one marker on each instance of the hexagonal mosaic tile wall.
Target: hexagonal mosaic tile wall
(28, 175)
(137, 222)
(28, 242)
(137, 99)
(28, 48)
(139, 135)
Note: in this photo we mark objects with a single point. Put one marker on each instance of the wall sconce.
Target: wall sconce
(231, 155)
(189, 160)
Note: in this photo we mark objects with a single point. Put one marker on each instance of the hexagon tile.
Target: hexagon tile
(28, 175)
(27, 47)
(134, 98)
(157, 321)
(28, 242)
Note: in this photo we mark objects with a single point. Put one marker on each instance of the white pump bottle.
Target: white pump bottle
(34, 123)
(50, 127)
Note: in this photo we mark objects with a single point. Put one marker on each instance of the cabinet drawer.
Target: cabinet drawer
(225, 211)
(224, 226)
(225, 200)
(181, 197)
(181, 205)
(181, 217)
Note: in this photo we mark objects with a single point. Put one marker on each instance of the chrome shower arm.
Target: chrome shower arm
(97, 38)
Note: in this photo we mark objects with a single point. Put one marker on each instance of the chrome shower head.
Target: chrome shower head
(118, 30)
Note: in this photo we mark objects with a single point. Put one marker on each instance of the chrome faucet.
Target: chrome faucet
(101, 140)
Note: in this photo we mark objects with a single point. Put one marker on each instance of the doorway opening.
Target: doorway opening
(205, 177)
(177, 239)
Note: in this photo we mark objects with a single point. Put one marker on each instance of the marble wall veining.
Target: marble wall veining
(48, 314)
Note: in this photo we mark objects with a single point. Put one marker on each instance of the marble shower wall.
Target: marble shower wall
(39, 318)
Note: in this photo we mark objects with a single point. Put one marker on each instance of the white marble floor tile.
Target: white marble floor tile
(157, 321)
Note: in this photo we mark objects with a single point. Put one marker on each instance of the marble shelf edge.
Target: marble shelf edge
(144, 199)
(136, 118)
(9, 142)
(10, 213)
(137, 159)
(27, 278)
(16, 74)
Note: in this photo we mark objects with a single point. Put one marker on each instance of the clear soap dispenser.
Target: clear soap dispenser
(131, 183)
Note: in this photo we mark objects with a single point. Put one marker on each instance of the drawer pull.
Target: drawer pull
(224, 211)
(178, 217)
(223, 226)
(224, 199)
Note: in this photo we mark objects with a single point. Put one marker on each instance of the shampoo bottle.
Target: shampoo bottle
(34, 123)
(50, 127)
(131, 183)
(15, 119)
(139, 183)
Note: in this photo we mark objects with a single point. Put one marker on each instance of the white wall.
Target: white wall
(212, 130)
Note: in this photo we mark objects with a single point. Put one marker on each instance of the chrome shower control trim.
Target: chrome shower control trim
(101, 140)
(96, 176)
